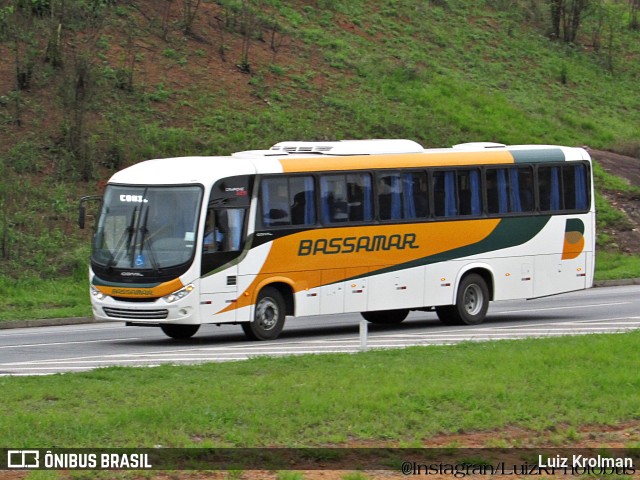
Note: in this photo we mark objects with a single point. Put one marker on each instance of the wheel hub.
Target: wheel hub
(267, 314)
(473, 299)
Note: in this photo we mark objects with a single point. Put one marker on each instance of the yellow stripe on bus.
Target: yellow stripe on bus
(141, 292)
(333, 254)
(417, 160)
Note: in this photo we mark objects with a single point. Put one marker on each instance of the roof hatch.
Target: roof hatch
(350, 147)
(478, 145)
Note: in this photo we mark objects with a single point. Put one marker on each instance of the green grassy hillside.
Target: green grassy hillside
(103, 84)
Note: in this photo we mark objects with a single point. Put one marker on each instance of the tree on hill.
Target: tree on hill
(634, 9)
(566, 18)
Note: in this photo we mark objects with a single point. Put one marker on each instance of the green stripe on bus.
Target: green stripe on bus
(510, 232)
(574, 225)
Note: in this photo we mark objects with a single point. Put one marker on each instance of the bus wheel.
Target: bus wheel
(180, 332)
(472, 303)
(446, 314)
(388, 317)
(269, 316)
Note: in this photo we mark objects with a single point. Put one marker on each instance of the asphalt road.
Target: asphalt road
(73, 348)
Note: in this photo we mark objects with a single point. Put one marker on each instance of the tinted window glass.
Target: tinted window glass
(287, 201)
(346, 198)
(549, 191)
(445, 195)
(402, 195)
(563, 187)
(302, 201)
(223, 229)
(509, 190)
(275, 202)
(469, 196)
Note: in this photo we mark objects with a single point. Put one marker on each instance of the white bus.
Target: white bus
(379, 227)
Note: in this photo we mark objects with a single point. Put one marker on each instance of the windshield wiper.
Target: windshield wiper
(144, 230)
(129, 230)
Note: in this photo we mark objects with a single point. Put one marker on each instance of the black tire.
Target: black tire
(270, 312)
(472, 303)
(180, 332)
(385, 317)
(446, 314)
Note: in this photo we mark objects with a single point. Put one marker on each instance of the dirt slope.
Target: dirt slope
(629, 169)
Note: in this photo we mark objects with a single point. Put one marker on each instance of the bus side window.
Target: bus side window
(209, 238)
(287, 201)
(302, 199)
(520, 182)
(575, 188)
(582, 187)
(346, 198)
(359, 197)
(497, 191)
(234, 226)
(402, 195)
(549, 188)
(445, 194)
(388, 200)
(223, 229)
(470, 199)
(509, 190)
(275, 202)
(414, 195)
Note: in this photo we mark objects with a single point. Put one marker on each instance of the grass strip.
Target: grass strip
(614, 266)
(34, 298)
(394, 397)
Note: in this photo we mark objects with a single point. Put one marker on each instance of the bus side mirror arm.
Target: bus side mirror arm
(82, 210)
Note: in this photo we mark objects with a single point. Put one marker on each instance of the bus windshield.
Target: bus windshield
(147, 228)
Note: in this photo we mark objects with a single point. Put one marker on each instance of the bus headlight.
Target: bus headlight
(179, 295)
(97, 294)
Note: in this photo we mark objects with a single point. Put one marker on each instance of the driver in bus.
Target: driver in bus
(212, 236)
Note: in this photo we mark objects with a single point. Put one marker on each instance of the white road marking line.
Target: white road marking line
(80, 327)
(569, 307)
(56, 344)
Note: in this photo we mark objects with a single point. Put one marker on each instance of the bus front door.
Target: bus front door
(222, 245)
